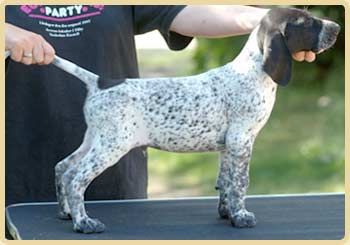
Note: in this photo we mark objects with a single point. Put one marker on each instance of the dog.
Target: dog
(220, 110)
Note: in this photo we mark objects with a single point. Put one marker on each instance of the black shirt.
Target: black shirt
(44, 116)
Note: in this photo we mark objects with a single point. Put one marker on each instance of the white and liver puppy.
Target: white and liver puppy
(220, 110)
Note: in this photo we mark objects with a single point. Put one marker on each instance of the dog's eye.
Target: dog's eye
(298, 21)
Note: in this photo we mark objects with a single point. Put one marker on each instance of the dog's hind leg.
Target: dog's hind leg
(61, 167)
(102, 155)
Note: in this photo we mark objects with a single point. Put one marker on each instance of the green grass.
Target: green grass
(300, 150)
(162, 63)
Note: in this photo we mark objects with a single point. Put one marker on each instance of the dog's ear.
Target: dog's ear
(277, 60)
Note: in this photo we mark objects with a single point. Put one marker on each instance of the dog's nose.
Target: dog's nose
(335, 29)
(331, 27)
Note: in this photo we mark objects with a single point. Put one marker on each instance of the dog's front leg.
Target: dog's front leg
(233, 180)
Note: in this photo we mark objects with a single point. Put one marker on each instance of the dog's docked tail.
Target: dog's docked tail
(89, 78)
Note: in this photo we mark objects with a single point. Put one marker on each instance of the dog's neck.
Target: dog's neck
(249, 63)
(250, 54)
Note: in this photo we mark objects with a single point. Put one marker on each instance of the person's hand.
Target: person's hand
(308, 56)
(27, 47)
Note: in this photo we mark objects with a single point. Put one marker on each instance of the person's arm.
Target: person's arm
(27, 47)
(217, 21)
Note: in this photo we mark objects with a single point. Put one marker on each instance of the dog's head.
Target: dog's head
(284, 31)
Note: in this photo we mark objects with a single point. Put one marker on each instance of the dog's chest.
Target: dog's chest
(251, 96)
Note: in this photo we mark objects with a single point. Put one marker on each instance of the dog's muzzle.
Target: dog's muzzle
(328, 36)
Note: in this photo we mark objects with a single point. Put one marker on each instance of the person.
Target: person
(44, 105)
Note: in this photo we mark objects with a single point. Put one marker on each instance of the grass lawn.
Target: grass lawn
(300, 150)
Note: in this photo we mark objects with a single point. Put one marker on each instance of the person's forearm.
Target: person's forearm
(216, 21)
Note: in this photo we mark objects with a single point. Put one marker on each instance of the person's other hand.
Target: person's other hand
(27, 47)
(308, 56)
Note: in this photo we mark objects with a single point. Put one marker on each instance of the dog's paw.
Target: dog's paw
(88, 225)
(243, 219)
(223, 210)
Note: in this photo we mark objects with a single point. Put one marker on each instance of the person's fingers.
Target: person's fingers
(27, 55)
(299, 56)
(17, 53)
(49, 53)
(310, 56)
(42, 62)
(38, 52)
(27, 60)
